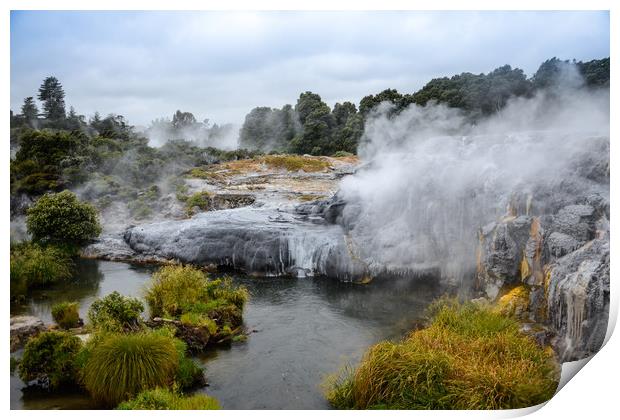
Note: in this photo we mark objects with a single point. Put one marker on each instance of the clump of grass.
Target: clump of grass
(189, 373)
(342, 153)
(34, 266)
(123, 365)
(294, 163)
(163, 399)
(66, 314)
(49, 358)
(201, 199)
(184, 293)
(116, 312)
(470, 357)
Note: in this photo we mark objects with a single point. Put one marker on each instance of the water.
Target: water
(300, 331)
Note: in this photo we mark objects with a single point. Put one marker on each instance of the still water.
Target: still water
(300, 331)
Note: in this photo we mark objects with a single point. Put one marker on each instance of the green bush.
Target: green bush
(163, 399)
(123, 365)
(62, 218)
(36, 266)
(66, 314)
(184, 291)
(201, 199)
(470, 357)
(49, 359)
(116, 312)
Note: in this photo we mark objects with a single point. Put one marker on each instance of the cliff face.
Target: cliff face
(559, 252)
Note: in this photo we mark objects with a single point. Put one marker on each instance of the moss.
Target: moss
(121, 366)
(66, 314)
(49, 358)
(469, 357)
(163, 399)
(514, 303)
(294, 163)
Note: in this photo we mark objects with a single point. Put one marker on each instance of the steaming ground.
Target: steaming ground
(434, 179)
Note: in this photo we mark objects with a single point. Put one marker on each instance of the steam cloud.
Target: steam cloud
(434, 179)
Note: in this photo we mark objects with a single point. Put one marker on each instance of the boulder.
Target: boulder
(22, 328)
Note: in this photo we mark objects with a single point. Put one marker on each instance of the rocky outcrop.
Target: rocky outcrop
(563, 261)
(22, 328)
(256, 241)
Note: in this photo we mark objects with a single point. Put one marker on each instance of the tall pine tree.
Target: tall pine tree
(53, 97)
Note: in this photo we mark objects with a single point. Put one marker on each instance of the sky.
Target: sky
(220, 65)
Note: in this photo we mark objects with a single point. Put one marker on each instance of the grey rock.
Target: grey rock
(22, 328)
(578, 300)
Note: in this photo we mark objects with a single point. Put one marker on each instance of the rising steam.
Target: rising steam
(434, 178)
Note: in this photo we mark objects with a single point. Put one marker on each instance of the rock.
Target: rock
(22, 328)
(500, 253)
(254, 240)
(578, 300)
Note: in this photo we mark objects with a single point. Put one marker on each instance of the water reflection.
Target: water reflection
(301, 330)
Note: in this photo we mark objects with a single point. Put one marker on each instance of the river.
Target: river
(300, 330)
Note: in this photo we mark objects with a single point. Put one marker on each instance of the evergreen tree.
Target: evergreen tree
(30, 111)
(53, 97)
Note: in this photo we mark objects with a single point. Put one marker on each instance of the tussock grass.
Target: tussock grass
(469, 357)
(294, 163)
(122, 365)
(163, 399)
(35, 266)
(176, 290)
(66, 314)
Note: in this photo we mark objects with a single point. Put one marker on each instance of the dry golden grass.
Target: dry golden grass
(470, 357)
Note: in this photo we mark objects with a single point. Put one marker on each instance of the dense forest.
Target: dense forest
(53, 149)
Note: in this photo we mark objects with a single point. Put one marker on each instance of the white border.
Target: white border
(590, 395)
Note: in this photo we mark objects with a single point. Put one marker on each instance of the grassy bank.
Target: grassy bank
(469, 357)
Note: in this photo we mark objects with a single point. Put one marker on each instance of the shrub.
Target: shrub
(49, 359)
(66, 314)
(470, 357)
(175, 290)
(35, 266)
(201, 199)
(116, 312)
(124, 365)
(62, 218)
(163, 399)
(205, 308)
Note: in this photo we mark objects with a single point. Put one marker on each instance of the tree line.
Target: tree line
(311, 126)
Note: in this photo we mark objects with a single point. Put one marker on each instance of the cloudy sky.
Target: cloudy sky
(219, 65)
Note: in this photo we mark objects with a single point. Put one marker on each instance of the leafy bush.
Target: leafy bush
(49, 359)
(116, 312)
(201, 199)
(123, 365)
(66, 314)
(470, 357)
(35, 266)
(163, 399)
(62, 218)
